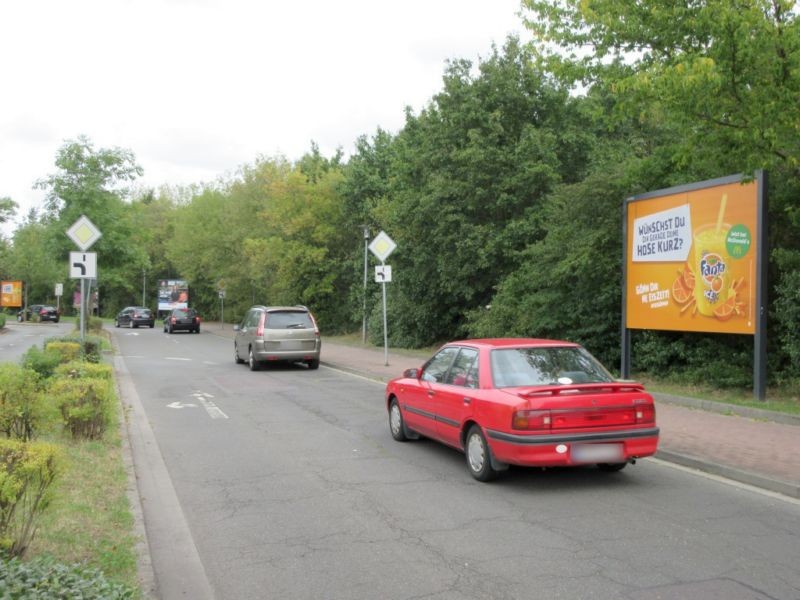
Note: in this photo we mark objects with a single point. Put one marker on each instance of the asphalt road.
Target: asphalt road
(18, 337)
(285, 483)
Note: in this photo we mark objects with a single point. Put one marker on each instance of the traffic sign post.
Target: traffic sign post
(83, 265)
(382, 246)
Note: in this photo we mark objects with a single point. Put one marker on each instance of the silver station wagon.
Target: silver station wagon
(277, 334)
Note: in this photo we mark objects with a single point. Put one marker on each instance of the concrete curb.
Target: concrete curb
(773, 485)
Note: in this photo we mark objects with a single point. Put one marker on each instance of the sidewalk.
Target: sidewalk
(759, 448)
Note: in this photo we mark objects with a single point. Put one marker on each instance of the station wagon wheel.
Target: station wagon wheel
(396, 424)
(611, 467)
(236, 358)
(254, 366)
(478, 455)
(313, 364)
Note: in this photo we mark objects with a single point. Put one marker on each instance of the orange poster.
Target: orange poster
(11, 293)
(691, 259)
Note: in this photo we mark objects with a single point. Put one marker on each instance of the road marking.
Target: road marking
(177, 404)
(212, 409)
(177, 358)
(132, 333)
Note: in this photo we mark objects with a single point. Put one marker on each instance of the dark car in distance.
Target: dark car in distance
(135, 316)
(39, 312)
(182, 319)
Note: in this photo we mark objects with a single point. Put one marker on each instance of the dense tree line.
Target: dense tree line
(504, 193)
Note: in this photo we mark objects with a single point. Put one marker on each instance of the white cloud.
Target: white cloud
(196, 88)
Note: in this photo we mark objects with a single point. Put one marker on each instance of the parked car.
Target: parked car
(527, 402)
(275, 334)
(182, 319)
(135, 316)
(39, 312)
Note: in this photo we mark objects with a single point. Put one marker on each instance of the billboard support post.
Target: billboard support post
(760, 338)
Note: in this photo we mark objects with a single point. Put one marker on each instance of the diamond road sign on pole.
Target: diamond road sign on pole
(84, 233)
(382, 246)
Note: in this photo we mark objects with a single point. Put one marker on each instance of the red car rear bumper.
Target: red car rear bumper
(570, 449)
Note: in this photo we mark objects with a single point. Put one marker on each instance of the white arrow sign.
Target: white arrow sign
(83, 265)
(383, 274)
(181, 405)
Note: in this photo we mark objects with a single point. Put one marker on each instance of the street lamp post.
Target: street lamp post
(364, 308)
(144, 286)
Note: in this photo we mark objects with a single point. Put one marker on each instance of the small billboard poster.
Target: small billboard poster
(11, 294)
(692, 258)
(173, 293)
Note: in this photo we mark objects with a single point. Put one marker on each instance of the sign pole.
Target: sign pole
(385, 332)
(83, 309)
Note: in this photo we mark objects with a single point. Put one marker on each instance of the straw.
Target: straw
(721, 211)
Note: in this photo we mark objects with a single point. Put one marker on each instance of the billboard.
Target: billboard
(691, 258)
(172, 293)
(11, 294)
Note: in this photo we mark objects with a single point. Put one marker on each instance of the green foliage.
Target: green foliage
(724, 361)
(27, 471)
(43, 579)
(91, 347)
(20, 402)
(95, 325)
(2, 320)
(68, 351)
(724, 73)
(43, 362)
(86, 404)
(81, 369)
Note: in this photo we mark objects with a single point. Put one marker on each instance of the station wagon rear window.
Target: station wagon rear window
(288, 320)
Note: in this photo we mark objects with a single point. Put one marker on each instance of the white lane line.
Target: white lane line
(177, 358)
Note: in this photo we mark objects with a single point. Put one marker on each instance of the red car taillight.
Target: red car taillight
(531, 419)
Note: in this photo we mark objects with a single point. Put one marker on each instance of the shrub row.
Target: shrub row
(65, 382)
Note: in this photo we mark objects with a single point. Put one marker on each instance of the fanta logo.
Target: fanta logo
(711, 266)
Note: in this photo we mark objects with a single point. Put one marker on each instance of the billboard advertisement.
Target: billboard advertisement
(173, 293)
(692, 258)
(11, 294)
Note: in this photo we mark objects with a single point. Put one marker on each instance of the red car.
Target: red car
(527, 402)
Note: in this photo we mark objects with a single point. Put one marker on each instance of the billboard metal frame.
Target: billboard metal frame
(762, 261)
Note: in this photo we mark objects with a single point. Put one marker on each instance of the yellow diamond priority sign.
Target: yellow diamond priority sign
(84, 233)
(382, 246)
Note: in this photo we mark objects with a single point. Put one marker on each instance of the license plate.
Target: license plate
(594, 453)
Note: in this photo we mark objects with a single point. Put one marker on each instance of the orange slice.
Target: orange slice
(726, 310)
(680, 292)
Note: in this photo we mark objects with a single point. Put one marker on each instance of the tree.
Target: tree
(8, 209)
(91, 182)
(725, 72)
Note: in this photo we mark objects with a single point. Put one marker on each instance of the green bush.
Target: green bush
(86, 405)
(69, 350)
(78, 369)
(2, 320)
(44, 578)
(91, 346)
(27, 471)
(44, 362)
(20, 401)
(95, 325)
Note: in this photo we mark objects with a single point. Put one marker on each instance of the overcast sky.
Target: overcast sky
(197, 88)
